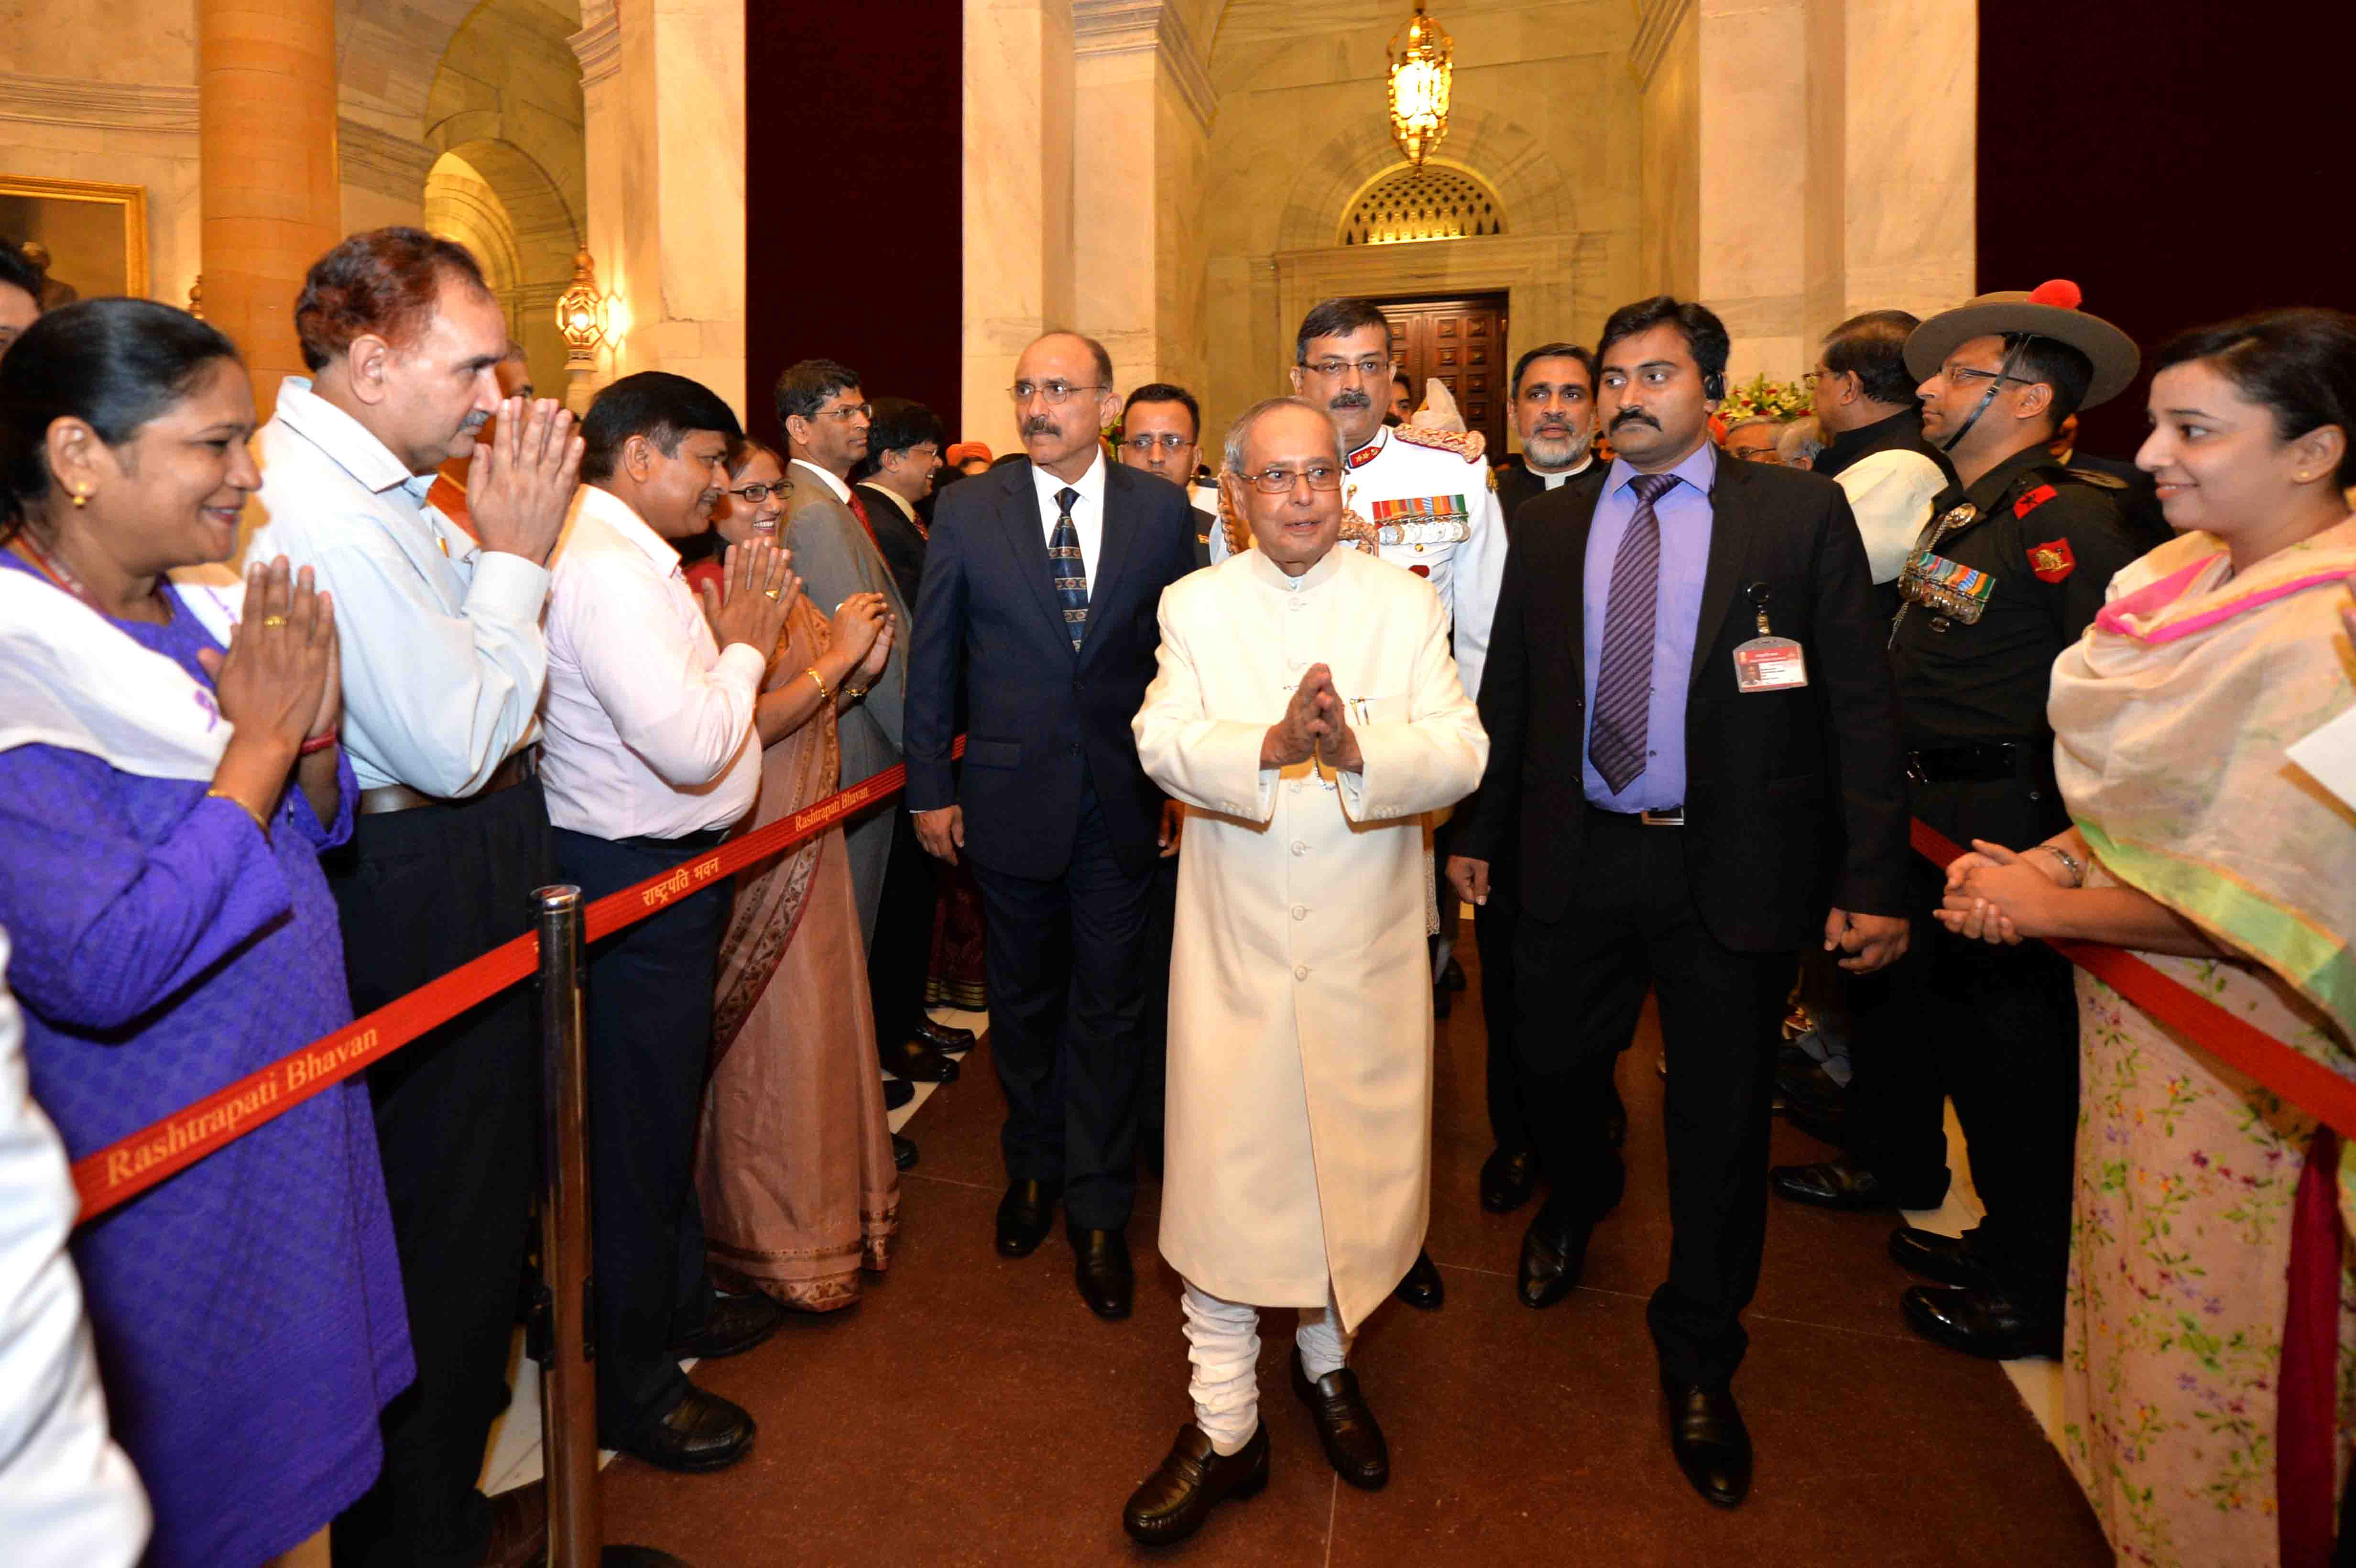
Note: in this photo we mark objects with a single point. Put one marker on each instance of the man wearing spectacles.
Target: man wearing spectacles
(1308, 712)
(832, 534)
(1041, 582)
(1160, 432)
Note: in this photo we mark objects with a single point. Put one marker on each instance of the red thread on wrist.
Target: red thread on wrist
(318, 743)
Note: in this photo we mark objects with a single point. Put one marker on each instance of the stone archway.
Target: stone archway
(499, 203)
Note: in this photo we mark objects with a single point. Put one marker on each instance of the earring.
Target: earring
(81, 499)
(2302, 479)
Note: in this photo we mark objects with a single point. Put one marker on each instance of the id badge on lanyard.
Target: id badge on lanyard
(1767, 662)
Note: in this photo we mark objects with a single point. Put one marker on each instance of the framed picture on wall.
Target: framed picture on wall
(90, 237)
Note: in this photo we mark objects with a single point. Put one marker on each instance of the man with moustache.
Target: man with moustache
(650, 757)
(1553, 391)
(1161, 432)
(1308, 712)
(444, 662)
(1430, 502)
(1694, 757)
(837, 552)
(448, 495)
(1874, 448)
(2011, 569)
(1038, 610)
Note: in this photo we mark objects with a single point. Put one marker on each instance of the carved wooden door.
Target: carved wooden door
(1460, 343)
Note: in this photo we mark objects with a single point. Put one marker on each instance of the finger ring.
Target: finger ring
(274, 621)
(770, 592)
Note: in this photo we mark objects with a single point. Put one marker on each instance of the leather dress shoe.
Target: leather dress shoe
(1947, 1259)
(701, 1432)
(904, 1153)
(1172, 1502)
(1507, 1177)
(1100, 1268)
(1554, 1251)
(1980, 1320)
(897, 1091)
(733, 1324)
(1421, 1288)
(1354, 1443)
(1711, 1445)
(1839, 1184)
(1023, 1215)
(944, 1036)
(917, 1062)
(518, 1529)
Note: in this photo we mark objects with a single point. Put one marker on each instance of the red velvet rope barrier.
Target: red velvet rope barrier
(2311, 1086)
(123, 1170)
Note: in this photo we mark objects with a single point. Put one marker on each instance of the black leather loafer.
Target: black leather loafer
(1554, 1251)
(701, 1432)
(1179, 1496)
(1980, 1320)
(1711, 1445)
(897, 1091)
(904, 1153)
(733, 1324)
(944, 1036)
(1354, 1443)
(1421, 1288)
(1852, 1189)
(1947, 1259)
(1508, 1177)
(917, 1062)
(1100, 1268)
(1023, 1215)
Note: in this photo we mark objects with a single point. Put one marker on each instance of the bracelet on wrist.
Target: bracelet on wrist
(318, 743)
(2069, 864)
(825, 693)
(260, 821)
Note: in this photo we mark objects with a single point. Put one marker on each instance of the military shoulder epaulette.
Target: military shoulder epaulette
(2097, 478)
(1469, 444)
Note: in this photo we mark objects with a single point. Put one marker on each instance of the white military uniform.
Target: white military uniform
(1432, 502)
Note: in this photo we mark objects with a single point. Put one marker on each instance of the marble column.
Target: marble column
(266, 138)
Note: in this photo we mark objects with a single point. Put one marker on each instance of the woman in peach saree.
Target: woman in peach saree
(794, 1165)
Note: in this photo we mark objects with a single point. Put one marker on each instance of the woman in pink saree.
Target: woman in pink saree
(2210, 1350)
(794, 1165)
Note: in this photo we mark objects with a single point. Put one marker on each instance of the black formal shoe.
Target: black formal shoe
(1980, 1320)
(1947, 1259)
(1837, 1184)
(1507, 1177)
(1354, 1443)
(1712, 1446)
(1422, 1289)
(518, 1529)
(702, 1431)
(897, 1091)
(1173, 1501)
(1100, 1268)
(944, 1036)
(1554, 1248)
(1451, 975)
(733, 1324)
(904, 1153)
(917, 1061)
(1023, 1214)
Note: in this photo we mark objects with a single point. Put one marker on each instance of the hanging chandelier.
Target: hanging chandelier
(1421, 73)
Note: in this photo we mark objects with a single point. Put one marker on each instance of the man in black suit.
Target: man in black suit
(904, 453)
(1043, 580)
(1161, 432)
(1735, 798)
(1554, 413)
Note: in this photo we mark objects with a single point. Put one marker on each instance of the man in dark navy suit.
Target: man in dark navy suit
(1039, 603)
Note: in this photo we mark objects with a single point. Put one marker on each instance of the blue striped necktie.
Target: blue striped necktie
(1068, 568)
(1624, 677)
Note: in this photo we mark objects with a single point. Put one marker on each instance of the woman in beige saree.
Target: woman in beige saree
(794, 1165)
(2209, 1349)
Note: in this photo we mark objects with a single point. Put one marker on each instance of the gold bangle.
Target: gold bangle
(824, 694)
(259, 820)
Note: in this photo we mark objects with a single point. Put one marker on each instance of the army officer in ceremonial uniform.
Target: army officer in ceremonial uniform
(2009, 571)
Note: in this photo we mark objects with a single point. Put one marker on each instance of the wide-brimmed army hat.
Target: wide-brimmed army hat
(2049, 310)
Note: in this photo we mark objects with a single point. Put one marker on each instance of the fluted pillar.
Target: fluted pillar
(266, 135)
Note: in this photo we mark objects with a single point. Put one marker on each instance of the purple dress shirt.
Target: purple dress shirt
(1685, 517)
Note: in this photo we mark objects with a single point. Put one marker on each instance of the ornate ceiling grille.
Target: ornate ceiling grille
(1431, 203)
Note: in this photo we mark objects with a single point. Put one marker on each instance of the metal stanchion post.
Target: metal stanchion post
(568, 1379)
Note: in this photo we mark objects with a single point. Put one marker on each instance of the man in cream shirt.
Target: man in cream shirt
(648, 757)
(1307, 710)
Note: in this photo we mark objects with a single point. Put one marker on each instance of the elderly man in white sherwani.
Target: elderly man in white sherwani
(1307, 711)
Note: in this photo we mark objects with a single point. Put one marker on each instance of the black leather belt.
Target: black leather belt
(1974, 760)
(1663, 816)
(516, 770)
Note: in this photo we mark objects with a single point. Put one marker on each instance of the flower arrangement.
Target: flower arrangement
(1759, 397)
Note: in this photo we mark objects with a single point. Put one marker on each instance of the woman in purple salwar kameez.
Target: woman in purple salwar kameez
(166, 784)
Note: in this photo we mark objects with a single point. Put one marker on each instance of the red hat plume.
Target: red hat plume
(2058, 293)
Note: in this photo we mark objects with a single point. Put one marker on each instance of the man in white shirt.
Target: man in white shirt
(651, 758)
(67, 1493)
(443, 665)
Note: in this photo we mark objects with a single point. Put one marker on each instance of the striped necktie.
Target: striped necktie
(1068, 568)
(1624, 678)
